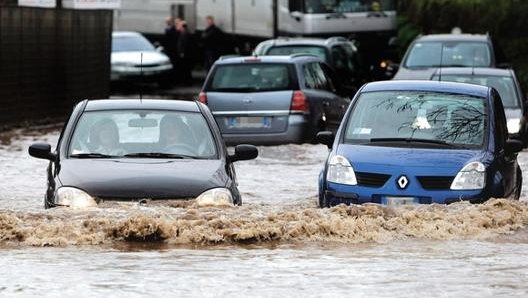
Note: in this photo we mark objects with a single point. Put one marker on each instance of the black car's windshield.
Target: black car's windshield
(142, 134)
(505, 85)
(426, 117)
(436, 54)
(253, 77)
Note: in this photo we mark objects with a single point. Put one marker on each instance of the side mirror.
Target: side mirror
(244, 152)
(513, 146)
(325, 138)
(42, 150)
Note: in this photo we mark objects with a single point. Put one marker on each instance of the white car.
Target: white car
(134, 58)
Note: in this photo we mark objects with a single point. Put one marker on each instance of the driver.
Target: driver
(175, 135)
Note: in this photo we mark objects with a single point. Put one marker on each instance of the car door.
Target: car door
(320, 90)
(507, 163)
(341, 97)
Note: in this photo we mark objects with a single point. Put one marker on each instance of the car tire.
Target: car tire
(518, 189)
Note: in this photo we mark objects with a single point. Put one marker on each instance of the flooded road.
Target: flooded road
(278, 244)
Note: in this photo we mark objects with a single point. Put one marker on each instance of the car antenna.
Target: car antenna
(141, 76)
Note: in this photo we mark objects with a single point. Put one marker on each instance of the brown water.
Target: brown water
(277, 244)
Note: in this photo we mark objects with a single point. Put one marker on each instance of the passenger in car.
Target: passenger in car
(104, 138)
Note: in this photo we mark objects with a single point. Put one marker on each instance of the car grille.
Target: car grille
(435, 182)
(372, 179)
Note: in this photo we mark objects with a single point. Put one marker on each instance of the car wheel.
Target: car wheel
(319, 126)
(517, 195)
(323, 202)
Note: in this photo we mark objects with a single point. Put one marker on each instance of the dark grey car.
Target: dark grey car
(428, 52)
(273, 99)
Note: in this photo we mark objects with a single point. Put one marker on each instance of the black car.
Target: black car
(340, 53)
(140, 151)
(270, 100)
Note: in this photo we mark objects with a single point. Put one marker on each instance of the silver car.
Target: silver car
(273, 99)
(134, 58)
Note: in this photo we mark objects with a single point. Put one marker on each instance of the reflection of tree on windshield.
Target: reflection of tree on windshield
(418, 117)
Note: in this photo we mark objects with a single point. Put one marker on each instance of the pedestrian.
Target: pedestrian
(185, 51)
(213, 41)
(170, 42)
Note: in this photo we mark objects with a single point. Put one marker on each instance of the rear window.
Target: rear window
(251, 77)
(436, 54)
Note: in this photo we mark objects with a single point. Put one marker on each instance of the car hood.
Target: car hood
(149, 57)
(414, 73)
(441, 162)
(129, 179)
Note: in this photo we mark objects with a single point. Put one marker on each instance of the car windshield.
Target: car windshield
(252, 77)
(404, 116)
(436, 54)
(295, 49)
(505, 85)
(130, 43)
(142, 133)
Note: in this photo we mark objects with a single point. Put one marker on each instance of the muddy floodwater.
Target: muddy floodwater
(278, 244)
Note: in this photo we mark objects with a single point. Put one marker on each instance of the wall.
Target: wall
(50, 59)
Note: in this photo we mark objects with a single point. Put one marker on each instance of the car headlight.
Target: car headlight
(514, 125)
(340, 171)
(215, 197)
(73, 197)
(472, 176)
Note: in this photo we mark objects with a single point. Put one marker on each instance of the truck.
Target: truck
(370, 23)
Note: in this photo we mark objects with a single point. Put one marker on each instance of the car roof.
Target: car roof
(478, 71)
(426, 85)
(154, 104)
(267, 59)
(454, 37)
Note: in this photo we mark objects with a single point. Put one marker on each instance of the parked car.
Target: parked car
(410, 142)
(338, 52)
(135, 59)
(268, 100)
(428, 52)
(140, 151)
(505, 82)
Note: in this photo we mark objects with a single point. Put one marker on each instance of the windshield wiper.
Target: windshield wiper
(157, 155)
(411, 140)
(92, 155)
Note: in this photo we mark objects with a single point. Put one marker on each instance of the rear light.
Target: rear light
(202, 97)
(299, 103)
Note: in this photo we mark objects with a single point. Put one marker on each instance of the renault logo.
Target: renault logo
(403, 182)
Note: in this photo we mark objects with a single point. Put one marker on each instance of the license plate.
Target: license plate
(399, 201)
(249, 122)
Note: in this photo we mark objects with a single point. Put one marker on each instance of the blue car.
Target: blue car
(420, 142)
